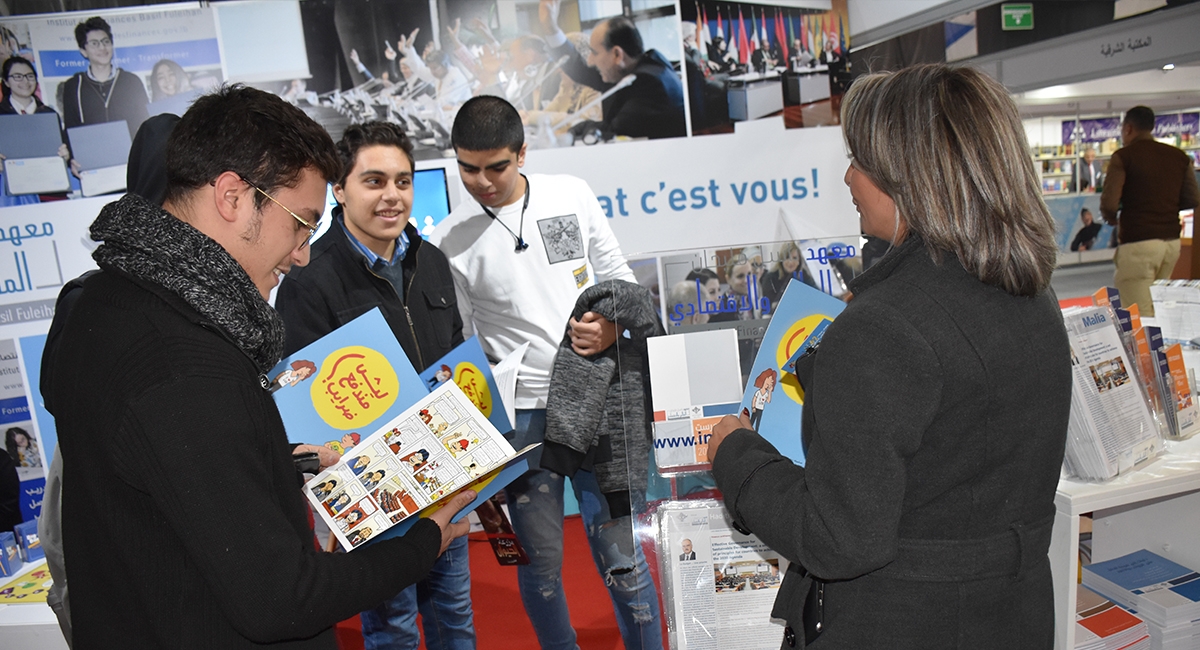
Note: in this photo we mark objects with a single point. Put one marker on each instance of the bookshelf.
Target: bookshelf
(1153, 507)
(1056, 165)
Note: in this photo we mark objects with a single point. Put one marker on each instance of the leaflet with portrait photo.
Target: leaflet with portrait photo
(720, 584)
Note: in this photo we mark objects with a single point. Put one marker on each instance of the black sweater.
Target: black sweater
(183, 524)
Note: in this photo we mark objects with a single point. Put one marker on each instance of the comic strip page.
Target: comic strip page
(430, 450)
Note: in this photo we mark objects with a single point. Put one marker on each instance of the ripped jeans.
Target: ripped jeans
(535, 503)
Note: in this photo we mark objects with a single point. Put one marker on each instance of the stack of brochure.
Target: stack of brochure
(1171, 378)
(1164, 594)
(1177, 308)
(1102, 625)
(1112, 429)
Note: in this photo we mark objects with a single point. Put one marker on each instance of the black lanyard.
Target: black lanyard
(518, 236)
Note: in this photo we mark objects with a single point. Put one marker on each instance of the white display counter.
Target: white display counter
(1156, 507)
(29, 626)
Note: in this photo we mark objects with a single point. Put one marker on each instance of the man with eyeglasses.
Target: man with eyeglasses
(102, 92)
(179, 484)
(372, 256)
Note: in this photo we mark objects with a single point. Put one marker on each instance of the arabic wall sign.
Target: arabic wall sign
(1127, 45)
(1105, 128)
(1130, 45)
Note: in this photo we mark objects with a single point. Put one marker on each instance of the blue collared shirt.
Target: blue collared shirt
(372, 258)
(389, 270)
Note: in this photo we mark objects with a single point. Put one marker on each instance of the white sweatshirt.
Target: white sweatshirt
(508, 297)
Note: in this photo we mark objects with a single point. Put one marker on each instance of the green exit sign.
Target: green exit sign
(1016, 16)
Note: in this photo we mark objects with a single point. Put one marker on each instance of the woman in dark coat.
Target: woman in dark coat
(936, 405)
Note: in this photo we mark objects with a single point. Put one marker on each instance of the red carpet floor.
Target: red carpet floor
(500, 621)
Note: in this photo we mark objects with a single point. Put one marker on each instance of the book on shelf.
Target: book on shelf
(1112, 429)
(1101, 624)
(1163, 593)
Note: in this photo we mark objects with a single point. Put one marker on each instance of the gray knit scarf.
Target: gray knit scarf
(144, 241)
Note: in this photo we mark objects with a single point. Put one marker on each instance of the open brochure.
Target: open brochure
(435, 448)
(720, 584)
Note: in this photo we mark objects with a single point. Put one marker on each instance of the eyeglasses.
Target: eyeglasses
(104, 42)
(312, 230)
(16, 76)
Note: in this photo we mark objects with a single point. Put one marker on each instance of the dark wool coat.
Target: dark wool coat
(935, 419)
(183, 522)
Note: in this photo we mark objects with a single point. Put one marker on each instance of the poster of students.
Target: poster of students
(362, 378)
(773, 399)
(159, 59)
(468, 366)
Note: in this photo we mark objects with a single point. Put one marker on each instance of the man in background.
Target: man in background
(652, 105)
(371, 256)
(103, 92)
(1147, 184)
(521, 251)
(1090, 176)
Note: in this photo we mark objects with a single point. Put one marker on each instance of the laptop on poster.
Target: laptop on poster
(30, 145)
(102, 151)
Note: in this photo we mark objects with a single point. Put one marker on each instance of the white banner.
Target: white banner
(763, 183)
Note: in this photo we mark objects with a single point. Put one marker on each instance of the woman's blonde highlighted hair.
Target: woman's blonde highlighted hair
(946, 143)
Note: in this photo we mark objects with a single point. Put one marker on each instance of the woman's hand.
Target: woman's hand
(726, 426)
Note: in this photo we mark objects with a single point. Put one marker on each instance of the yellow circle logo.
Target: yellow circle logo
(472, 382)
(355, 386)
(795, 337)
